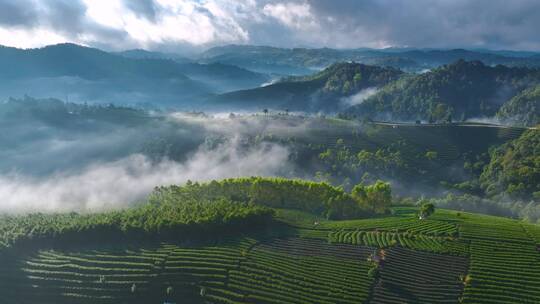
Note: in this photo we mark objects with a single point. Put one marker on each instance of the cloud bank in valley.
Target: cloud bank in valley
(121, 183)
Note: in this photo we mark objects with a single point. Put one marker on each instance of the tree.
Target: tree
(265, 111)
(431, 155)
(379, 196)
(426, 210)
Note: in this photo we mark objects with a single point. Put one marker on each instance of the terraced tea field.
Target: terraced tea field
(450, 257)
(418, 277)
(450, 141)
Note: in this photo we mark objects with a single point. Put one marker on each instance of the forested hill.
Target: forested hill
(321, 91)
(83, 62)
(522, 109)
(457, 91)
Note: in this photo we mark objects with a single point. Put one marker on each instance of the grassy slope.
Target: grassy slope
(498, 260)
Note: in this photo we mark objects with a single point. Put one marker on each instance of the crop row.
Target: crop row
(504, 262)
(281, 271)
(383, 239)
(408, 276)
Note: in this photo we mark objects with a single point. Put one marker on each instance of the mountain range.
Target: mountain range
(392, 84)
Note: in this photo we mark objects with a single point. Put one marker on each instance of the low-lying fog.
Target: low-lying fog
(85, 159)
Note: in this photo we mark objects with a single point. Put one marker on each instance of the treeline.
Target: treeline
(317, 198)
(197, 210)
(167, 218)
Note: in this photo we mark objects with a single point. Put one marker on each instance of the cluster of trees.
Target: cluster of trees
(342, 163)
(315, 197)
(165, 216)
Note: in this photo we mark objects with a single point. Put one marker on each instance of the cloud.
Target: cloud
(359, 97)
(17, 13)
(177, 24)
(293, 15)
(97, 164)
(375, 23)
(144, 8)
(121, 183)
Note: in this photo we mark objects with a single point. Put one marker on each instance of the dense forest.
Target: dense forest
(523, 109)
(198, 210)
(317, 198)
(188, 217)
(434, 160)
(514, 168)
(454, 92)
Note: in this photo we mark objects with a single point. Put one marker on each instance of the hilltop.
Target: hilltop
(457, 91)
(322, 91)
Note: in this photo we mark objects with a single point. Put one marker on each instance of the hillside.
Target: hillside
(298, 257)
(417, 158)
(144, 54)
(78, 61)
(523, 109)
(138, 77)
(90, 75)
(320, 91)
(457, 91)
(222, 77)
(514, 168)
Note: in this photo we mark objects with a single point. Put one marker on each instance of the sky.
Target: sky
(191, 25)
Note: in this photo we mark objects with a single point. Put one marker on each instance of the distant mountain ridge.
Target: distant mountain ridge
(88, 63)
(89, 74)
(408, 59)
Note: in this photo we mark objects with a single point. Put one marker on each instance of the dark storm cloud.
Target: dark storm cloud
(144, 8)
(16, 13)
(442, 23)
(166, 25)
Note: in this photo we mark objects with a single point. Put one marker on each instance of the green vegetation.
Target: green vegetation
(385, 239)
(523, 109)
(186, 217)
(514, 168)
(321, 91)
(426, 209)
(504, 262)
(419, 277)
(450, 257)
(452, 92)
(344, 79)
(317, 198)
